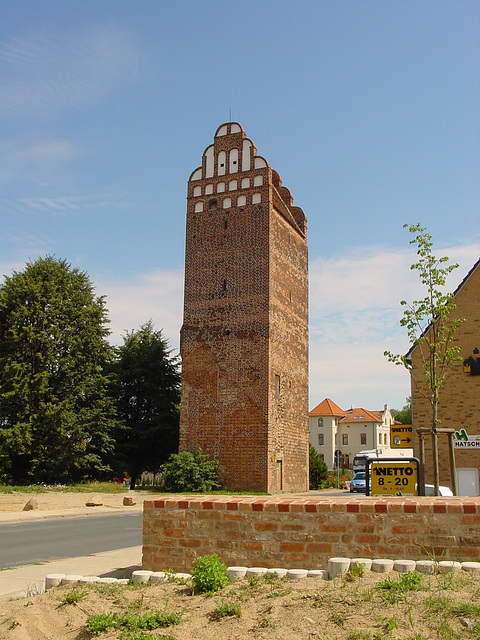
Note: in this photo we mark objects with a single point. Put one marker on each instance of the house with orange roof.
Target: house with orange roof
(349, 431)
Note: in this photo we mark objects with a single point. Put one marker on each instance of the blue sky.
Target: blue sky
(368, 110)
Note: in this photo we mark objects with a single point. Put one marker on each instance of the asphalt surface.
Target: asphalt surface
(27, 580)
(51, 539)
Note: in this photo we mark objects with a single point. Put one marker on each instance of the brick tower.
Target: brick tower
(244, 339)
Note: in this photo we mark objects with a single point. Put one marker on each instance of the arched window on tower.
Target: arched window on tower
(212, 205)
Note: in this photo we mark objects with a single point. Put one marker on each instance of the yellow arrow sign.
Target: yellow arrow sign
(401, 436)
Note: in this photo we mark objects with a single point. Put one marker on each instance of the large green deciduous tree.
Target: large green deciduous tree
(148, 400)
(431, 330)
(403, 415)
(57, 417)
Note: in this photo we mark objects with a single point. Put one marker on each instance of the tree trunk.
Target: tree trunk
(133, 481)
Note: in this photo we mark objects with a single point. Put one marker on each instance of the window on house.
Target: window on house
(277, 387)
(321, 439)
(212, 205)
(363, 438)
(384, 438)
(320, 422)
(379, 438)
(345, 438)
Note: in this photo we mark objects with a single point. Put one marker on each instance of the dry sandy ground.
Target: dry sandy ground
(282, 610)
(57, 500)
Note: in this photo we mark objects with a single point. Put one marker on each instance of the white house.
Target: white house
(349, 432)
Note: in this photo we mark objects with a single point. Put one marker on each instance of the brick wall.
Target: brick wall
(459, 405)
(305, 533)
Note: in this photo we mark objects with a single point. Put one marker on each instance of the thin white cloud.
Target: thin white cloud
(354, 317)
(48, 70)
(34, 159)
(156, 296)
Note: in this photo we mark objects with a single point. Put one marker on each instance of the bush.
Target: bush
(209, 574)
(318, 469)
(187, 471)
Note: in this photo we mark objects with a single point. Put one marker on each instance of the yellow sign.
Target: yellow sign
(401, 436)
(393, 478)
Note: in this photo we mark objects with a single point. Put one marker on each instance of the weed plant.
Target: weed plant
(394, 589)
(73, 597)
(149, 621)
(357, 570)
(209, 574)
(225, 610)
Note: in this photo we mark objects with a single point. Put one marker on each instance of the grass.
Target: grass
(394, 589)
(225, 610)
(74, 596)
(83, 487)
(156, 619)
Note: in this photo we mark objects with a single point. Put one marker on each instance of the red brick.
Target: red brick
(291, 546)
(246, 298)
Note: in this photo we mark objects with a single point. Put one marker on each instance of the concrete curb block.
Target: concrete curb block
(404, 566)
(426, 567)
(382, 565)
(337, 567)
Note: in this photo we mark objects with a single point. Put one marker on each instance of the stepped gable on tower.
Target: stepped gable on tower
(244, 339)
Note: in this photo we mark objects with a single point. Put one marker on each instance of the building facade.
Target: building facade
(333, 429)
(459, 400)
(244, 339)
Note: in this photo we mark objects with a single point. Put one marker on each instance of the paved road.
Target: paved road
(23, 543)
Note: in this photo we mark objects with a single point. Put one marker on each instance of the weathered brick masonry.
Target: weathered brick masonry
(244, 339)
(304, 533)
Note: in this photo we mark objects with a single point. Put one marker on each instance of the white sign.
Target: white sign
(461, 440)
